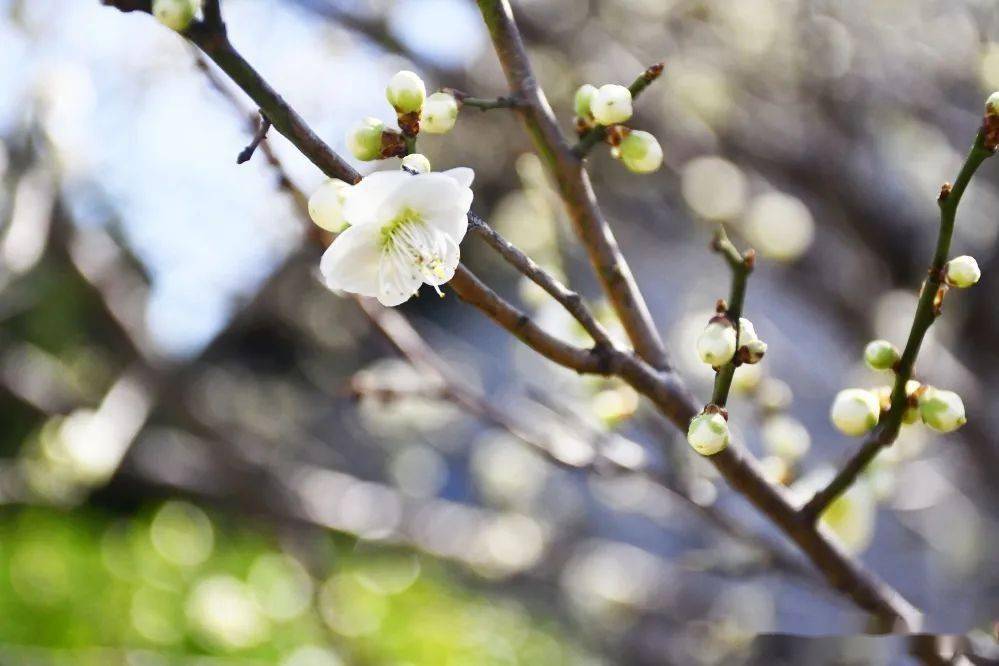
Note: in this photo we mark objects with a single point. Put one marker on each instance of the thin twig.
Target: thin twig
(260, 135)
(927, 310)
(569, 299)
(485, 103)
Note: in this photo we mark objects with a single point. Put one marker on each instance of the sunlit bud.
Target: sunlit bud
(439, 114)
(962, 271)
(855, 411)
(785, 437)
(611, 104)
(708, 433)
(175, 14)
(942, 410)
(747, 331)
(364, 140)
(416, 163)
(716, 344)
(753, 351)
(326, 205)
(640, 152)
(583, 99)
(881, 355)
(992, 104)
(406, 92)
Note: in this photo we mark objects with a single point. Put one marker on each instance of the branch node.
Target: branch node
(258, 137)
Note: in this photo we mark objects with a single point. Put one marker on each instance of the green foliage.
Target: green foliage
(86, 586)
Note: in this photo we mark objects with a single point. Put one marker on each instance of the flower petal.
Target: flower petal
(450, 256)
(351, 262)
(365, 201)
(439, 201)
(462, 175)
(398, 279)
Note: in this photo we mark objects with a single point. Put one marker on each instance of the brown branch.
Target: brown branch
(735, 463)
(569, 299)
(574, 185)
(471, 290)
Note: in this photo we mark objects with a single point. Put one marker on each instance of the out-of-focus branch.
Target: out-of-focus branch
(574, 185)
(927, 310)
(485, 103)
(596, 134)
(741, 265)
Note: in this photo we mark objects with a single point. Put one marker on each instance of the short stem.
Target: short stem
(742, 266)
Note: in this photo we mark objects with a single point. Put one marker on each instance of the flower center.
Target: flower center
(408, 243)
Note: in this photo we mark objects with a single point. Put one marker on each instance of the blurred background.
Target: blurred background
(206, 457)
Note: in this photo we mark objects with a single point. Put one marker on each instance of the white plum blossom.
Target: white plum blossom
(404, 231)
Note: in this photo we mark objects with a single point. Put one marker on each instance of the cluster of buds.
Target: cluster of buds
(415, 112)
(856, 411)
(176, 14)
(609, 106)
(719, 344)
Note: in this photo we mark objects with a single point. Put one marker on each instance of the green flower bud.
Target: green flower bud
(406, 92)
(416, 163)
(881, 355)
(175, 14)
(326, 205)
(440, 112)
(962, 271)
(716, 344)
(640, 152)
(364, 140)
(855, 411)
(611, 104)
(708, 433)
(942, 410)
(583, 99)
